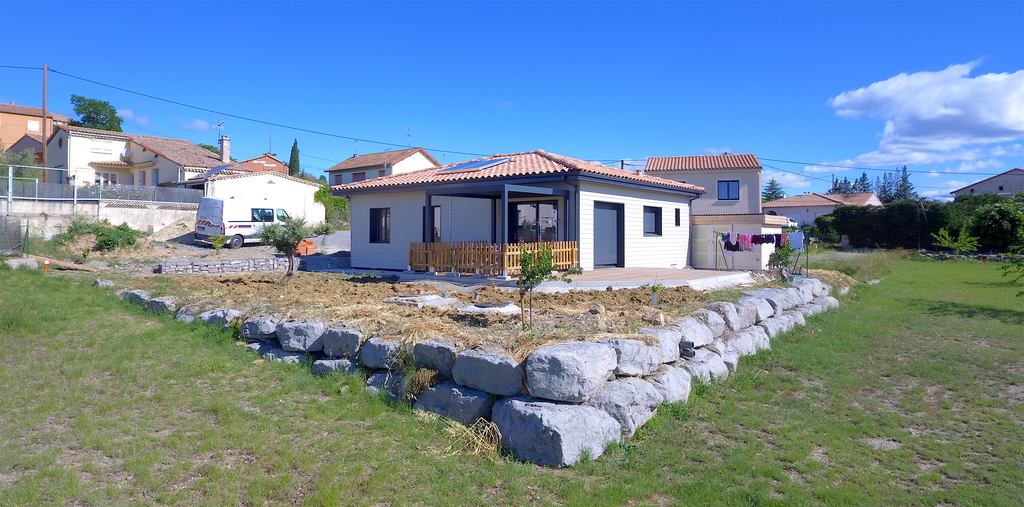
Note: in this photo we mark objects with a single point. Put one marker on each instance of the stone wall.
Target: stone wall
(222, 267)
(945, 256)
(565, 401)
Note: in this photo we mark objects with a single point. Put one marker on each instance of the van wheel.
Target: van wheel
(236, 242)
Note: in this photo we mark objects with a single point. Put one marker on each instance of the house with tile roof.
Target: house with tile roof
(616, 218)
(21, 127)
(294, 195)
(804, 208)
(733, 182)
(377, 165)
(265, 162)
(93, 157)
(1005, 185)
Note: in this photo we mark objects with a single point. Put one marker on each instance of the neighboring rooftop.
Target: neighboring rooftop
(379, 159)
(813, 199)
(31, 111)
(1012, 172)
(517, 164)
(696, 162)
(179, 151)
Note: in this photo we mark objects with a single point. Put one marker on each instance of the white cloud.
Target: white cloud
(196, 125)
(945, 189)
(128, 115)
(935, 117)
(933, 174)
(787, 180)
(966, 167)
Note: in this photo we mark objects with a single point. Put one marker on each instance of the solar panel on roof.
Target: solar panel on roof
(478, 164)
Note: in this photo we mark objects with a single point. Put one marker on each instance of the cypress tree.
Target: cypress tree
(293, 162)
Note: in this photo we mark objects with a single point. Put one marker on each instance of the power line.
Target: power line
(240, 117)
(796, 173)
(867, 168)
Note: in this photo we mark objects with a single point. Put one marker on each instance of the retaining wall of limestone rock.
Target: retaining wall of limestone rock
(221, 267)
(565, 401)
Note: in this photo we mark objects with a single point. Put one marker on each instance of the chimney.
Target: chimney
(225, 149)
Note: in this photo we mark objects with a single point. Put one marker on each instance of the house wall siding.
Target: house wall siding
(464, 219)
(669, 250)
(1012, 182)
(406, 227)
(804, 215)
(294, 197)
(709, 204)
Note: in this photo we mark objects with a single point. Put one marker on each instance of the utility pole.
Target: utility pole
(45, 129)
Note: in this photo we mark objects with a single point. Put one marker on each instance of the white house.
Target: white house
(1004, 184)
(619, 218)
(804, 208)
(101, 157)
(377, 165)
(294, 195)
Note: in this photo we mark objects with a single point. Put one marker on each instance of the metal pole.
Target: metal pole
(74, 190)
(37, 184)
(46, 130)
(10, 188)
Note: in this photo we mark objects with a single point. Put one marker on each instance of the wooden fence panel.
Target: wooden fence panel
(485, 258)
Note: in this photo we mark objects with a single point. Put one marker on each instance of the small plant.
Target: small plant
(218, 242)
(963, 242)
(535, 268)
(782, 257)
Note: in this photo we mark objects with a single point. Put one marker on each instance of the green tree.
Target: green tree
(895, 186)
(293, 163)
(321, 179)
(96, 114)
(214, 149)
(285, 239)
(21, 158)
(843, 186)
(862, 184)
(336, 209)
(772, 191)
(1000, 225)
(962, 243)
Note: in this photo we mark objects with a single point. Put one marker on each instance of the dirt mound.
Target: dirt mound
(176, 230)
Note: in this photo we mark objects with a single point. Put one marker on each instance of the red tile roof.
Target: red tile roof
(740, 161)
(31, 111)
(378, 159)
(520, 164)
(813, 199)
(179, 151)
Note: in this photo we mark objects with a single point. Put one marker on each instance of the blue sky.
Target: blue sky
(938, 86)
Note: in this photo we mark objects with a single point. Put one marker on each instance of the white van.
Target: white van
(239, 220)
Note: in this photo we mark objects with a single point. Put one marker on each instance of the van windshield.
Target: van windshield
(282, 214)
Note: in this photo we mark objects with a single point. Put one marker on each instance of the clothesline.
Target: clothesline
(735, 242)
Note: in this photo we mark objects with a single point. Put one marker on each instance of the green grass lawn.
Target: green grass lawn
(911, 393)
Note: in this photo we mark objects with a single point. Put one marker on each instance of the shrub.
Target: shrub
(337, 212)
(108, 237)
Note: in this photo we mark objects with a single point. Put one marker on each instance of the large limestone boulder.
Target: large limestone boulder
(695, 331)
(780, 299)
(551, 433)
(259, 328)
(713, 320)
(798, 318)
(489, 372)
(741, 343)
(673, 384)
(631, 401)
(439, 357)
(162, 305)
(138, 297)
(387, 382)
(457, 402)
(329, 366)
(759, 336)
(667, 339)
(377, 353)
(186, 314)
(570, 371)
(298, 336)
(827, 302)
(635, 357)
(705, 364)
(733, 321)
(818, 288)
(774, 326)
(222, 318)
(342, 342)
(803, 294)
(810, 309)
(762, 309)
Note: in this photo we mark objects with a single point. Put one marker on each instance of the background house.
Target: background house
(377, 165)
(1001, 184)
(21, 127)
(265, 162)
(805, 208)
(294, 195)
(93, 157)
(619, 218)
(732, 182)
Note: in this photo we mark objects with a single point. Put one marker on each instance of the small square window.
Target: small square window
(729, 190)
(380, 225)
(381, 173)
(338, 179)
(33, 125)
(358, 176)
(652, 221)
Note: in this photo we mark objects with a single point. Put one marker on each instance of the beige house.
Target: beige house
(101, 157)
(733, 182)
(377, 165)
(21, 127)
(805, 208)
(1001, 184)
